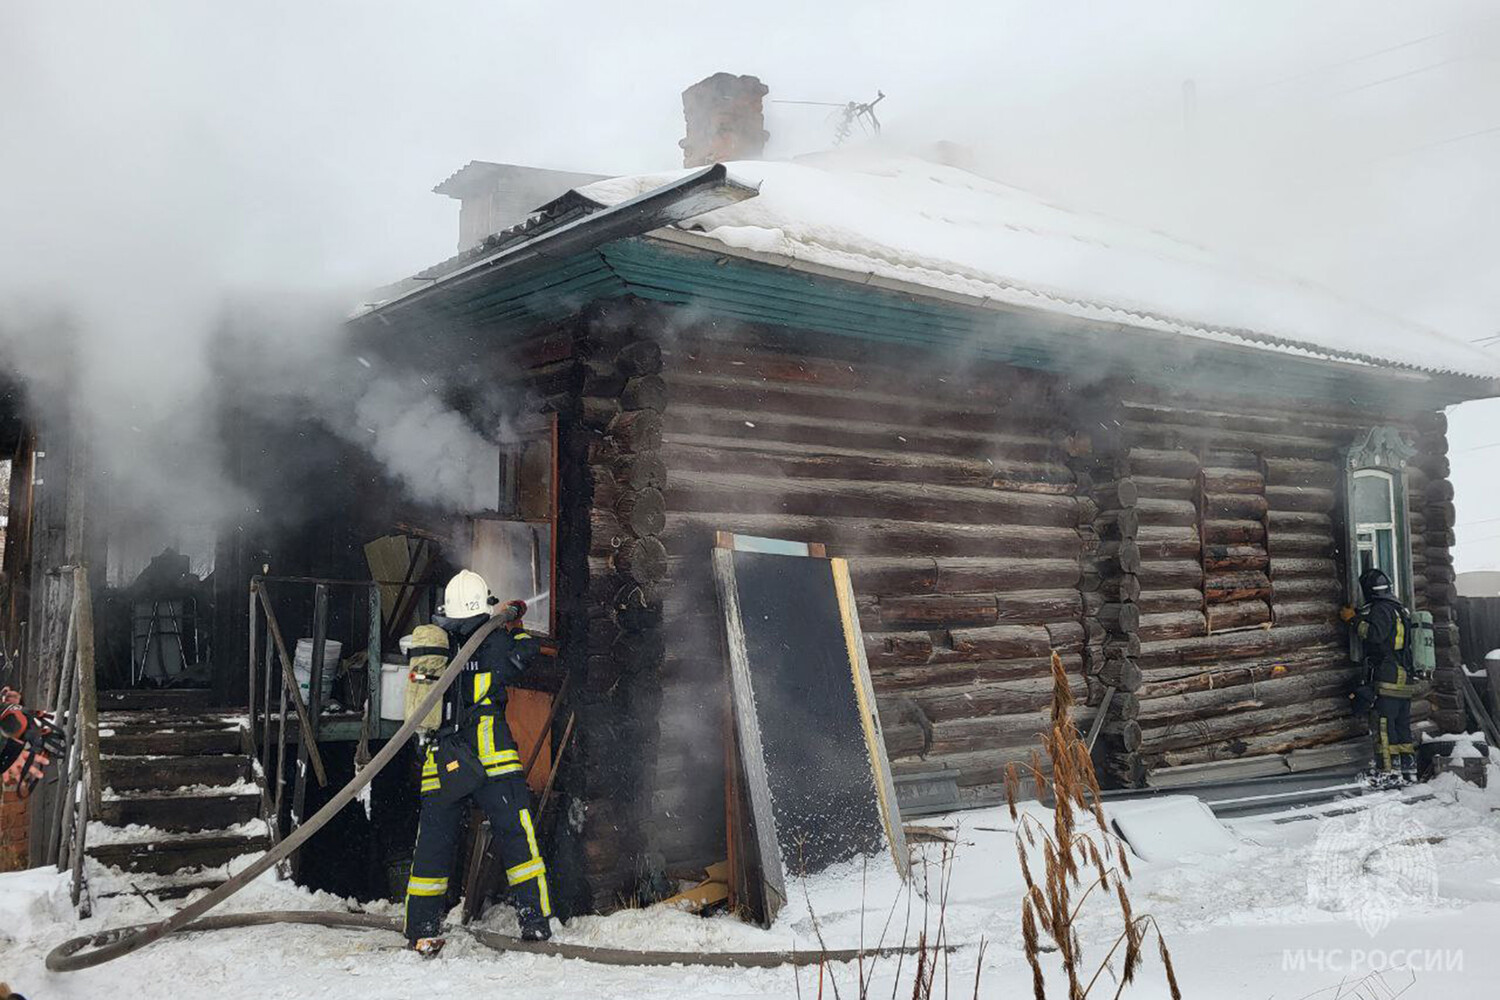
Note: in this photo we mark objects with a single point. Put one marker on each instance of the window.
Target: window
(514, 547)
(1374, 506)
(1375, 515)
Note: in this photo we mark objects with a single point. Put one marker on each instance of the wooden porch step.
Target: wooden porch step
(168, 855)
(165, 887)
(187, 699)
(188, 742)
(166, 719)
(181, 812)
(130, 774)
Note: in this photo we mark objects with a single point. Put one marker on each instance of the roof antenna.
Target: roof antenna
(850, 114)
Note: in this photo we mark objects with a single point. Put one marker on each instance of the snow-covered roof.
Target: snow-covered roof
(942, 228)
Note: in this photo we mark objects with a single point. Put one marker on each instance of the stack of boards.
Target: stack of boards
(810, 787)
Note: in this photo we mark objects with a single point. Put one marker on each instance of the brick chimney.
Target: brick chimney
(725, 120)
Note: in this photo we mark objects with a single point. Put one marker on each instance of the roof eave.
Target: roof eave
(1459, 385)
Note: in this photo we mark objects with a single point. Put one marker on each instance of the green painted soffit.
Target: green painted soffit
(731, 288)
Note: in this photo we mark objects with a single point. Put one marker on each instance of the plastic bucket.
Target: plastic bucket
(302, 667)
(393, 691)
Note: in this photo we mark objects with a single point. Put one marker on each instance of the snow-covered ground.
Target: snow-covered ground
(1265, 908)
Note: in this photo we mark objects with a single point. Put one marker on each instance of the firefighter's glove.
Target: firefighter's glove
(26, 767)
(1346, 613)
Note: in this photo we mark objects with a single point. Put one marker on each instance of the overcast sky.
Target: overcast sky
(156, 155)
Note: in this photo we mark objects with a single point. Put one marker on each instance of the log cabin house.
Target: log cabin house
(1028, 429)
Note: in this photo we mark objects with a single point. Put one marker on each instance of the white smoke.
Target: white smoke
(431, 449)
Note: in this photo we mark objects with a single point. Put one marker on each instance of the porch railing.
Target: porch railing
(78, 771)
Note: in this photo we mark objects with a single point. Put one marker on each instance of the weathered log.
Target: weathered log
(1118, 493)
(1123, 522)
(1157, 602)
(1125, 733)
(1122, 673)
(893, 676)
(1127, 646)
(937, 610)
(606, 534)
(1170, 574)
(826, 402)
(977, 700)
(1167, 512)
(1313, 734)
(643, 560)
(638, 472)
(1229, 645)
(727, 418)
(1159, 488)
(1300, 545)
(1299, 520)
(1168, 542)
(1066, 637)
(997, 642)
(1305, 612)
(1242, 725)
(1219, 559)
(1125, 587)
(898, 576)
(1300, 472)
(1232, 480)
(1306, 498)
(852, 536)
(1222, 588)
(1121, 618)
(1175, 680)
(642, 512)
(601, 379)
(1281, 689)
(687, 451)
(644, 392)
(1284, 569)
(1223, 532)
(636, 430)
(599, 411)
(1440, 515)
(1234, 506)
(1175, 464)
(733, 493)
(1238, 614)
(640, 357)
(1171, 625)
(1126, 555)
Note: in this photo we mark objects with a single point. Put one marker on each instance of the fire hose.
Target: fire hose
(106, 946)
(85, 952)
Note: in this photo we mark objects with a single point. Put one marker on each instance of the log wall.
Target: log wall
(955, 503)
(1242, 573)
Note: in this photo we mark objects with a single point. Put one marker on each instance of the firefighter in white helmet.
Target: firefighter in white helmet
(474, 757)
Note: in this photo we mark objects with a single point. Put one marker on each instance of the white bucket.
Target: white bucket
(393, 691)
(302, 667)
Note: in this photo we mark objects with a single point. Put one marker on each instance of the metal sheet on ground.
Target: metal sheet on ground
(817, 780)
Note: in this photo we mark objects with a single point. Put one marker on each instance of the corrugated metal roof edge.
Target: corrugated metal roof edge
(1167, 323)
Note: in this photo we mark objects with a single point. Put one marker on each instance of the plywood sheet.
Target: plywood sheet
(816, 779)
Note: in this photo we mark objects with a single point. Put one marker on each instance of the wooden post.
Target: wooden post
(88, 693)
(250, 666)
(374, 654)
(289, 681)
(309, 737)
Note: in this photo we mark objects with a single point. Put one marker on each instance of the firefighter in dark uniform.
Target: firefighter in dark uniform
(1384, 629)
(475, 707)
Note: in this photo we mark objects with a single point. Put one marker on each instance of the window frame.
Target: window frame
(509, 467)
(1380, 453)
